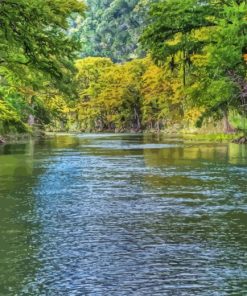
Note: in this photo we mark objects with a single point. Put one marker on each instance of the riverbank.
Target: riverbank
(18, 137)
(214, 137)
(238, 137)
(11, 138)
(220, 137)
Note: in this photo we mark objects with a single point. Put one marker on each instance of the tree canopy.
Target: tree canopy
(36, 52)
(112, 28)
(207, 40)
(121, 65)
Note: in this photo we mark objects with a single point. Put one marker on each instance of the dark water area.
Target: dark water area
(123, 215)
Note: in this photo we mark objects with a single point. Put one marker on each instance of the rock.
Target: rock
(2, 141)
(242, 140)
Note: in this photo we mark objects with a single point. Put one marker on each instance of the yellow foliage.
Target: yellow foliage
(124, 95)
(191, 115)
(162, 95)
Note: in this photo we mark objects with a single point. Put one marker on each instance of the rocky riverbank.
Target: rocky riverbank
(241, 140)
(2, 141)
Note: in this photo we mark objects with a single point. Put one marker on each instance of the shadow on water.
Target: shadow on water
(18, 225)
(122, 215)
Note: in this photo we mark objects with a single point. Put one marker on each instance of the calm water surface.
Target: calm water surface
(123, 215)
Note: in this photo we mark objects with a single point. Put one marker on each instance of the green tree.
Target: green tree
(207, 40)
(112, 28)
(36, 52)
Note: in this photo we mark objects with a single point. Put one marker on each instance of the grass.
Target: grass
(218, 137)
(238, 121)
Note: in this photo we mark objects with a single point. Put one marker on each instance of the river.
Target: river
(123, 215)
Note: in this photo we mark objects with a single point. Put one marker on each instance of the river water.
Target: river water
(123, 215)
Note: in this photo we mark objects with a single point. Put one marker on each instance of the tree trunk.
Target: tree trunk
(227, 126)
(158, 126)
(138, 123)
(31, 120)
(184, 68)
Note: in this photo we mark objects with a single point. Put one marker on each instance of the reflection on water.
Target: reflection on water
(17, 220)
(123, 215)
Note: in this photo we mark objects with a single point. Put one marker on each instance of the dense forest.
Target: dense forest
(121, 65)
(112, 28)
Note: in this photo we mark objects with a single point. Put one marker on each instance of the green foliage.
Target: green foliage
(36, 54)
(238, 121)
(207, 42)
(10, 119)
(196, 68)
(112, 28)
(33, 37)
(171, 26)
